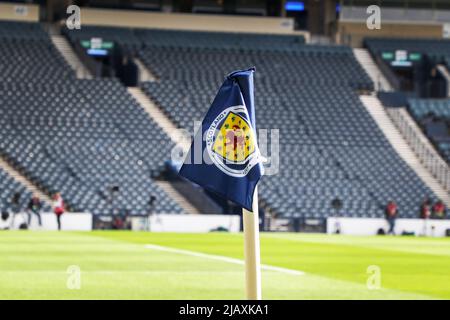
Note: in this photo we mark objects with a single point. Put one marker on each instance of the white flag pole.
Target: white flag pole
(251, 251)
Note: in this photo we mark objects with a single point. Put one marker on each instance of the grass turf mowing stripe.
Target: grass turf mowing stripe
(222, 258)
(420, 245)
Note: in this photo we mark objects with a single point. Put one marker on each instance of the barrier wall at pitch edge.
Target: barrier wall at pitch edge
(69, 221)
(370, 226)
(194, 222)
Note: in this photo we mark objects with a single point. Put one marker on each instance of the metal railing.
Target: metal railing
(388, 74)
(421, 146)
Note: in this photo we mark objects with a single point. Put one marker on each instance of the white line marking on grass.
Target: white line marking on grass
(221, 258)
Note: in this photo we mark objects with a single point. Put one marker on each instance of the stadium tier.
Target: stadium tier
(330, 146)
(135, 39)
(16, 31)
(82, 137)
(28, 57)
(433, 115)
(79, 137)
(436, 49)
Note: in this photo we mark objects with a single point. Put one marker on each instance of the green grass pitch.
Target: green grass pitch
(117, 265)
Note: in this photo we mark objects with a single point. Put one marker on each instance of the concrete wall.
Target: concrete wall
(69, 221)
(182, 21)
(353, 33)
(395, 22)
(194, 222)
(397, 15)
(19, 12)
(369, 226)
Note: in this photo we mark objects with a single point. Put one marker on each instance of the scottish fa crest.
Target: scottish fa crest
(231, 142)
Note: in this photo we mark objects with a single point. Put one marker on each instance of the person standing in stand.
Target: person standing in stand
(425, 209)
(391, 213)
(439, 210)
(425, 214)
(15, 207)
(58, 208)
(34, 207)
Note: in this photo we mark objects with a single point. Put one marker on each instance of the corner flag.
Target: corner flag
(228, 162)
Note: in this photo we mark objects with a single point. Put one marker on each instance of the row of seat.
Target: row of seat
(136, 39)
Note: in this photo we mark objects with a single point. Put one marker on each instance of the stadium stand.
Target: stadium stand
(434, 117)
(83, 136)
(125, 36)
(437, 49)
(27, 56)
(79, 137)
(325, 153)
(138, 38)
(431, 114)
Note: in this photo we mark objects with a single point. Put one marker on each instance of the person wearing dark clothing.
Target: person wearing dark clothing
(425, 209)
(391, 212)
(151, 204)
(128, 72)
(15, 207)
(34, 207)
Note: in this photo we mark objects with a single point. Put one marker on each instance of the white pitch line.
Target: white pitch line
(221, 258)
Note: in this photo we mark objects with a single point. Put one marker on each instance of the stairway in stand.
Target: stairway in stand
(174, 134)
(365, 60)
(71, 58)
(16, 175)
(178, 197)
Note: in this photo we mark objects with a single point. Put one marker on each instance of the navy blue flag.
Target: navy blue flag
(224, 157)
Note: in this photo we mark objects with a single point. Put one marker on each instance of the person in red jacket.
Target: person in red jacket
(58, 208)
(439, 210)
(391, 213)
